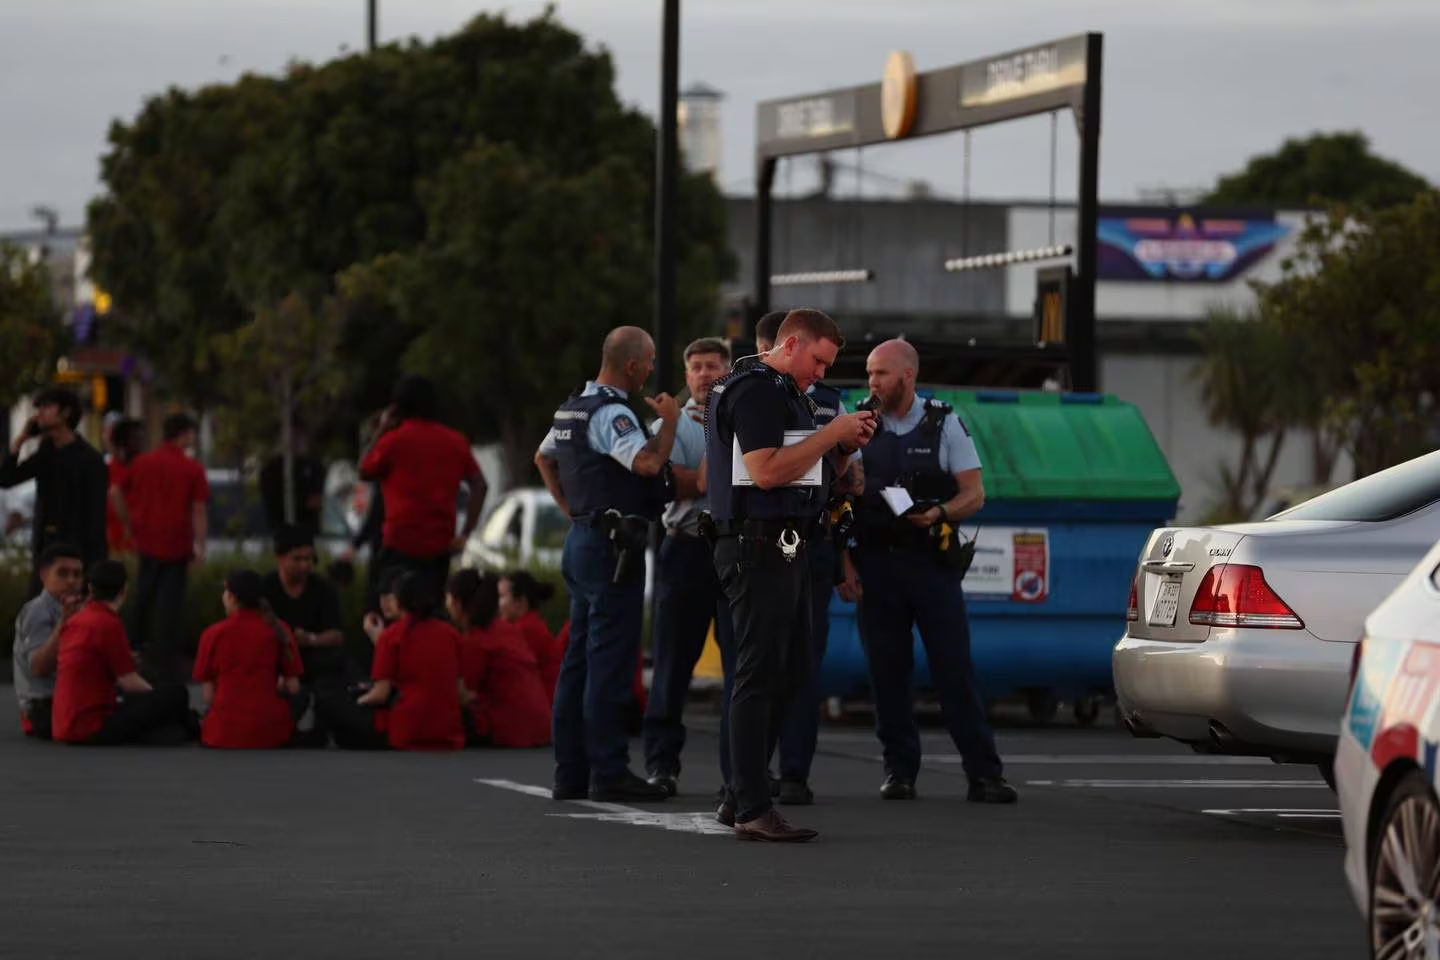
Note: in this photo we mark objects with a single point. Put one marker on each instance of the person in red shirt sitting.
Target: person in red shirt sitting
(521, 596)
(163, 496)
(415, 702)
(508, 705)
(245, 663)
(421, 465)
(94, 659)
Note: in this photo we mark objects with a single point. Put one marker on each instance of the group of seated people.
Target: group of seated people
(476, 667)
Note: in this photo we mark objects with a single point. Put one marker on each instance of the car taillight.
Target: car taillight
(1133, 612)
(1236, 595)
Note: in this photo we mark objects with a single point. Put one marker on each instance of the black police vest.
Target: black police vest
(910, 460)
(794, 409)
(594, 482)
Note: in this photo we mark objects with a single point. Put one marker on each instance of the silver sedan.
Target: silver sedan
(1240, 637)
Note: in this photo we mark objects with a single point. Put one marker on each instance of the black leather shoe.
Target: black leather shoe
(773, 828)
(562, 792)
(795, 793)
(991, 790)
(628, 788)
(725, 815)
(669, 781)
(897, 788)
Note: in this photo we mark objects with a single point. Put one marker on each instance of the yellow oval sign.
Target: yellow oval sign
(898, 95)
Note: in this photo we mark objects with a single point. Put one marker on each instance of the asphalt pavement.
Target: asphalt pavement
(1118, 848)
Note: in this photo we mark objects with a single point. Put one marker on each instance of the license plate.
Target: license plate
(1167, 603)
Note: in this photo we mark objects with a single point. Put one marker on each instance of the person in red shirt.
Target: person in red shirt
(415, 702)
(163, 497)
(94, 659)
(126, 443)
(420, 466)
(508, 705)
(521, 596)
(247, 663)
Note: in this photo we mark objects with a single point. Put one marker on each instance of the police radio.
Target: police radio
(871, 404)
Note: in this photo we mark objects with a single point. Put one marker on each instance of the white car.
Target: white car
(1240, 636)
(1385, 769)
(525, 529)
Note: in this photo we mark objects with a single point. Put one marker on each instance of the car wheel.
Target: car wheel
(1405, 875)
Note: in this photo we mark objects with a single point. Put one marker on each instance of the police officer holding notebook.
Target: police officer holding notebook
(765, 483)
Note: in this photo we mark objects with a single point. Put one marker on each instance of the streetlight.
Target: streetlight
(374, 15)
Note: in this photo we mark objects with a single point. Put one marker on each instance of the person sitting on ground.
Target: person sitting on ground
(521, 596)
(509, 706)
(389, 604)
(417, 662)
(37, 634)
(94, 659)
(249, 666)
(309, 605)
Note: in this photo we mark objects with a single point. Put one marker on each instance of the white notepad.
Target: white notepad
(740, 477)
(898, 499)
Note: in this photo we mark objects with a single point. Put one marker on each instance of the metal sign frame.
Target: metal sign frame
(1059, 74)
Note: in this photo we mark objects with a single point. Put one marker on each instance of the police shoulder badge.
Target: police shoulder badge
(624, 425)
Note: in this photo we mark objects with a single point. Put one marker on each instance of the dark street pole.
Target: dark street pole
(374, 15)
(1082, 335)
(667, 181)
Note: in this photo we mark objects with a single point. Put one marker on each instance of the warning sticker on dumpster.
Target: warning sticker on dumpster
(1011, 563)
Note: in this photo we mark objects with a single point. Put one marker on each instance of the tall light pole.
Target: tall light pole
(373, 18)
(666, 205)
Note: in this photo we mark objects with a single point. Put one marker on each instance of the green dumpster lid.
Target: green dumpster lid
(1044, 445)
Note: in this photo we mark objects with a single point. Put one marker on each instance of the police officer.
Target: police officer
(612, 478)
(801, 732)
(763, 473)
(907, 578)
(687, 591)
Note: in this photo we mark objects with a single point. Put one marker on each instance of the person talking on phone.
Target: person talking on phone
(72, 482)
(902, 575)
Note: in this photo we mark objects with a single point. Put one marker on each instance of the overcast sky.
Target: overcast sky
(1192, 87)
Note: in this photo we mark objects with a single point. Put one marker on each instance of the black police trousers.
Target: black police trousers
(771, 609)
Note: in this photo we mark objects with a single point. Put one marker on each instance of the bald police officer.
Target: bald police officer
(907, 579)
(612, 478)
(801, 732)
(762, 458)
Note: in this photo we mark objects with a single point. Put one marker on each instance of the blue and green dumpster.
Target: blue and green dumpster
(1074, 484)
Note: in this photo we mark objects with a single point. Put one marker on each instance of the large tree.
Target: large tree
(1323, 168)
(225, 202)
(31, 335)
(1361, 297)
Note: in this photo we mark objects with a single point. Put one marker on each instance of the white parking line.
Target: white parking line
(1183, 784)
(1119, 760)
(1284, 813)
(684, 822)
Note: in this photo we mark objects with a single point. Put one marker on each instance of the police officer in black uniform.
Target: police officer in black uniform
(800, 734)
(762, 455)
(910, 569)
(613, 479)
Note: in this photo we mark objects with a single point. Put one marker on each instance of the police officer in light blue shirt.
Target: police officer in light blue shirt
(801, 733)
(612, 478)
(688, 592)
(908, 579)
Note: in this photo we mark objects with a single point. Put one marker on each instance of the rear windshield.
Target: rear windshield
(1386, 495)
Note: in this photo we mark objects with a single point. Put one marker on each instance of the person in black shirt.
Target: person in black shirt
(310, 605)
(72, 482)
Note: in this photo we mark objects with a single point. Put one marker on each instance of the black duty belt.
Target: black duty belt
(806, 527)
